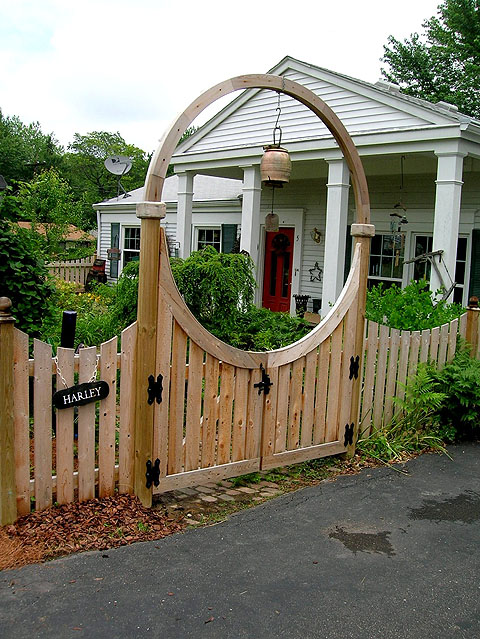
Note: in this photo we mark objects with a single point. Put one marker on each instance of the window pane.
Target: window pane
(387, 263)
(462, 249)
(376, 245)
(460, 273)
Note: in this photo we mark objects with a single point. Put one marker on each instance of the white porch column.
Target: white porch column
(252, 190)
(184, 213)
(447, 214)
(335, 232)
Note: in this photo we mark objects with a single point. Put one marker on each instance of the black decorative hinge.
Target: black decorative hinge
(354, 365)
(348, 441)
(153, 473)
(265, 384)
(155, 389)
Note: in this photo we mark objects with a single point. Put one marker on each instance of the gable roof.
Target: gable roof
(363, 108)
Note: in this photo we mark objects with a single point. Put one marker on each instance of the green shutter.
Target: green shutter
(229, 235)
(114, 243)
(475, 265)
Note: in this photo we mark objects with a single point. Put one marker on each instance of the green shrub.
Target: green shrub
(415, 427)
(459, 381)
(215, 286)
(412, 308)
(24, 279)
(259, 329)
(126, 296)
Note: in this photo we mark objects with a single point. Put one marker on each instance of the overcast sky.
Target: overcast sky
(133, 65)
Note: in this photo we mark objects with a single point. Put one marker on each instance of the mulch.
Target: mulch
(97, 524)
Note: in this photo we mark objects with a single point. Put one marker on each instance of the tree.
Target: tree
(444, 62)
(86, 170)
(46, 200)
(24, 149)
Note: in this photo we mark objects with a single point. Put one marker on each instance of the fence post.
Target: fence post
(150, 214)
(8, 492)
(472, 325)
(362, 234)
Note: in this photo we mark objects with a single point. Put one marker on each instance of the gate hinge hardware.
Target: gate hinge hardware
(354, 366)
(155, 389)
(265, 384)
(348, 441)
(153, 473)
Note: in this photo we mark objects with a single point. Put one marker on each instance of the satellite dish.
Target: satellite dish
(118, 164)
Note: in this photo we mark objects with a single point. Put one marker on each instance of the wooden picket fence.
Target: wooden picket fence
(391, 356)
(62, 467)
(72, 270)
(91, 449)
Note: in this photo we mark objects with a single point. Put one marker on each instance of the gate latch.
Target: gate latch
(155, 389)
(265, 384)
(354, 365)
(348, 441)
(153, 473)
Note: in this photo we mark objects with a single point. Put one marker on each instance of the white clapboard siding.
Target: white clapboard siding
(251, 123)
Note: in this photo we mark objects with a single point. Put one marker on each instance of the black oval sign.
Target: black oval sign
(81, 394)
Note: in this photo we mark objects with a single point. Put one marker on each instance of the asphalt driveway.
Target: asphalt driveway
(379, 554)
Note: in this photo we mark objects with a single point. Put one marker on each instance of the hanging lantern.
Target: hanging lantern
(276, 166)
(271, 223)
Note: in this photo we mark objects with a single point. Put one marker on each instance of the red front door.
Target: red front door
(277, 279)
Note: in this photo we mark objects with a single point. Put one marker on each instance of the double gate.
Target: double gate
(221, 412)
(214, 411)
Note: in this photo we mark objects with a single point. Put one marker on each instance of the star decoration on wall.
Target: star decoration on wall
(316, 273)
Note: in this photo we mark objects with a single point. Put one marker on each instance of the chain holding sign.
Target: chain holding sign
(80, 394)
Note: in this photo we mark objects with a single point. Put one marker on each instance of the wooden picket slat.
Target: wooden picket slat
(225, 421)
(42, 414)
(424, 345)
(164, 354)
(282, 408)
(240, 414)
(442, 349)
(86, 429)
(391, 374)
(126, 445)
(194, 407)
(21, 421)
(177, 400)
(65, 428)
(379, 396)
(452, 339)
(320, 418)
(270, 415)
(209, 424)
(254, 416)
(308, 399)
(434, 342)
(369, 375)
(296, 401)
(334, 384)
(346, 383)
(414, 352)
(107, 420)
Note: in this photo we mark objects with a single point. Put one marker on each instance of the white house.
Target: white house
(422, 163)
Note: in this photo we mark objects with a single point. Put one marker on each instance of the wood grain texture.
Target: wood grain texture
(126, 446)
(107, 419)
(194, 407)
(65, 427)
(86, 430)
(21, 419)
(42, 415)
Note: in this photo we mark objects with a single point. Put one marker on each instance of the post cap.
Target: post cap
(5, 310)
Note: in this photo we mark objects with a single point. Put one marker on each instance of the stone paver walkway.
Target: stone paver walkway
(199, 502)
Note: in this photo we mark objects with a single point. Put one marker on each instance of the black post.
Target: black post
(69, 323)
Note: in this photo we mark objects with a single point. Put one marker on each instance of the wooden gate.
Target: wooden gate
(210, 411)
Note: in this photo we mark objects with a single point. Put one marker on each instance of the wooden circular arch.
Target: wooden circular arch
(161, 159)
